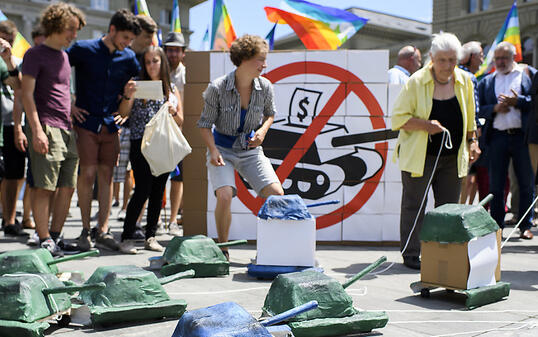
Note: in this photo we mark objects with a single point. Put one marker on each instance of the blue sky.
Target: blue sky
(248, 16)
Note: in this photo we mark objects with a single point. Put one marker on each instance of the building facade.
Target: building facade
(383, 31)
(481, 20)
(25, 14)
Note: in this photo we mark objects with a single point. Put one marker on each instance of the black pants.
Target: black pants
(146, 186)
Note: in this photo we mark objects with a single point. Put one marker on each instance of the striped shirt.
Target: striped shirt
(222, 105)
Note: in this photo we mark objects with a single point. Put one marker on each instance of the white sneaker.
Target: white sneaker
(121, 215)
(33, 240)
(174, 229)
(152, 244)
(128, 247)
(160, 229)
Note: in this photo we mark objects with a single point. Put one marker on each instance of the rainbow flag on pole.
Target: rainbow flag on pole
(175, 25)
(509, 33)
(270, 38)
(222, 30)
(317, 26)
(20, 45)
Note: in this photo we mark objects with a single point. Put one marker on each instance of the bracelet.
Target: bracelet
(14, 72)
(125, 97)
(174, 114)
(472, 140)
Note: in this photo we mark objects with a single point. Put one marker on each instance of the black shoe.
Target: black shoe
(412, 262)
(116, 203)
(14, 230)
(139, 235)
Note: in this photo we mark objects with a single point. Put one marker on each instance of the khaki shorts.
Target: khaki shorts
(58, 167)
(101, 148)
(252, 165)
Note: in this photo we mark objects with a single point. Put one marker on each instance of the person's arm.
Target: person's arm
(214, 153)
(177, 111)
(39, 139)
(259, 135)
(127, 100)
(21, 143)
(14, 79)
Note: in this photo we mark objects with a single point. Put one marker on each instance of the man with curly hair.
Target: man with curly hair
(102, 68)
(241, 107)
(46, 98)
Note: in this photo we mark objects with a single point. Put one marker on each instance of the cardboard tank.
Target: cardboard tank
(132, 294)
(230, 319)
(28, 300)
(35, 261)
(450, 234)
(335, 314)
(198, 253)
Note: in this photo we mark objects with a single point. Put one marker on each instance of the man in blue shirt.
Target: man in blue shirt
(102, 68)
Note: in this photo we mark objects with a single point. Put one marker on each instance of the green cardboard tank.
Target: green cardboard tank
(132, 294)
(335, 314)
(198, 253)
(29, 300)
(35, 261)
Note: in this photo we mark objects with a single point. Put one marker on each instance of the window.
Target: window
(99, 4)
(166, 17)
(473, 6)
(484, 5)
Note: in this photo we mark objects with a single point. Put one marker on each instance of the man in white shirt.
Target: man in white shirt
(505, 104)
(174, 46)
(409, 61)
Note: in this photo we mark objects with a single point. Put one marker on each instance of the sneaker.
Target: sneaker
(33, 240)
(160, 229)
(179, 219)
(14, 230)
(67, 248)
(174, 229)
(152, 244)
(127, 247)
(121, 215)
(106, 241)
(84, 242)
(52, 247)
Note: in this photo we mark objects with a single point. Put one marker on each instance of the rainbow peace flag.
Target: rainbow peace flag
(222, 31)
(270, 37)
(204, 45)
(20, 45)
(509, 33)
(175, 25)
(317, 26)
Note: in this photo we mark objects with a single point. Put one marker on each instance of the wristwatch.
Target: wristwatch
(14, 72)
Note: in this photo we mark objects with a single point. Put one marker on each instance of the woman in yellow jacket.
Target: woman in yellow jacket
(434, 110)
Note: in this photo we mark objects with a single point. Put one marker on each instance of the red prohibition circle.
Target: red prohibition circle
(349, 83)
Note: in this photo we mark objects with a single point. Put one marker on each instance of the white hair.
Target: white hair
(469, 48)
(506, 46)
(446, 42)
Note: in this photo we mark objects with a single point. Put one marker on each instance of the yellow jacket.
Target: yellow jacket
(415, 100)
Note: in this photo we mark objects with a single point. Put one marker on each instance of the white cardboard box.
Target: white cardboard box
(286, 242)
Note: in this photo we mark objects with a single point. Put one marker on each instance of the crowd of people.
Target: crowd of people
(71, 133)
(461, 135)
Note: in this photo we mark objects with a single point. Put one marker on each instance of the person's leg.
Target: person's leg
(85, 181)
(514, 191)
(127, 188)
(498, 170)
(10, 191)
(40, 207)
(27, 208)
(464, 191)
(62, 203)
(158, 185)
(116, 192)
(446, 185)
(223, 214)
(104, 195)
(176, 194)
(525, 179)
(271, 189)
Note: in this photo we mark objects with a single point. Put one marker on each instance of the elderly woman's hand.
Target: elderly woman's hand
(474, 151)
(433, 127)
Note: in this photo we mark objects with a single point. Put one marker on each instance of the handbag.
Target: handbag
(163, 144)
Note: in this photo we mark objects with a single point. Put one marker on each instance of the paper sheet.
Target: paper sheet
(149, 90)
(483, 258)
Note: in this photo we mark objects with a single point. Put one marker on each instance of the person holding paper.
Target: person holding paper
(140, 111)
(102, 68)
(241, 107)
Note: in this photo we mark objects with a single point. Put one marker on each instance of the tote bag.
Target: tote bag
(163, 144)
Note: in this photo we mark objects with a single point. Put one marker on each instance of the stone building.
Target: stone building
(481, 20)
(25, 14)
(383, 31)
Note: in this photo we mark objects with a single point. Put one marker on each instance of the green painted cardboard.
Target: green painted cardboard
(22, 293)
(361, 322)
(456, 223)
(198, 252)
(484, 295)
(131, 294)
(19, 329)
(291, 290)
(27, 261)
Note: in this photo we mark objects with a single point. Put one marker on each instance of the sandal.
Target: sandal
(28, 223)
(226, 254)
